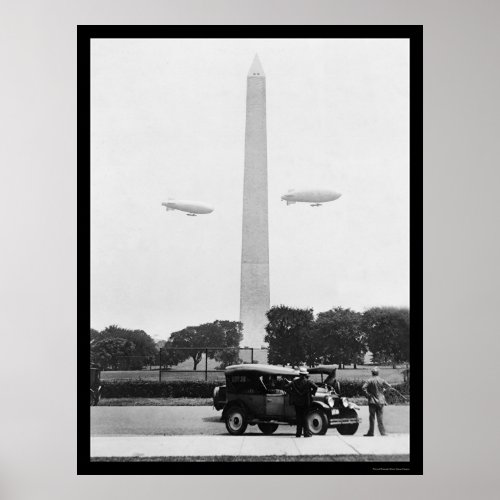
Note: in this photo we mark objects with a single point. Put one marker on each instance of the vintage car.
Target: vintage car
(95, 385)
(255, 394)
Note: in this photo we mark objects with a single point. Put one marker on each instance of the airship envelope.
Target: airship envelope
(192, 208)
(313, 196)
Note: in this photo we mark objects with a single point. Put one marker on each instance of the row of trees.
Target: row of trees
(340, 336)
(119, 348)
(294, 336)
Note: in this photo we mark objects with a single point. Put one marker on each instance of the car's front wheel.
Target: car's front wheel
(317, 421)
(236, 420)
(267, 428)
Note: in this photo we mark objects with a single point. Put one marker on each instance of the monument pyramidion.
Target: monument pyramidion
(254, 294)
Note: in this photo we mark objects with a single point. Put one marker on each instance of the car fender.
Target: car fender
(232, 404)
(353, 406)
(218, 404)
(320, 404)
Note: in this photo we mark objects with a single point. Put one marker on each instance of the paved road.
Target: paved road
(204, 420)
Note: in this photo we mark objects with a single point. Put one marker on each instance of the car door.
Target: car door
(275, 405)
(255, 403)
(288, 409)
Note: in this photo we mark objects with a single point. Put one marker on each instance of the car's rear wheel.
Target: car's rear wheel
(317, 421)
(267, 428)
(236, 420)
(348, 429)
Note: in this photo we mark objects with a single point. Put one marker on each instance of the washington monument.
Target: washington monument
(254, 296)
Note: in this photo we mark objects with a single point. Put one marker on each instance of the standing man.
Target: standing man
(374, 389)
(301, 390)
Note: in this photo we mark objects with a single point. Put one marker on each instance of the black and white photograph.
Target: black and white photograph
(250, 250)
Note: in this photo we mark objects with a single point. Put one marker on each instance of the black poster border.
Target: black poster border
(414, 33)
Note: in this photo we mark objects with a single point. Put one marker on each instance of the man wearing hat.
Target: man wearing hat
(374, 389)
(301, 390)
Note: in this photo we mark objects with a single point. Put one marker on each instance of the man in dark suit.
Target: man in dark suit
(374, 389)
(301, 390)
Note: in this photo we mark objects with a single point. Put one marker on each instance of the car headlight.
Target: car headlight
(345, 402)
(331, 402)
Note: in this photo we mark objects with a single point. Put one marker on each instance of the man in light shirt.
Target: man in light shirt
(374, 389)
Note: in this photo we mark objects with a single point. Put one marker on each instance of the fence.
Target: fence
(204, 362)
(132, 362)
(208, 363)
(133, 367)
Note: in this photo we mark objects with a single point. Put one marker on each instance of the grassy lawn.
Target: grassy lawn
(165, 375)
(393, 376)
(361, 401)
(270, 458)
(156, 402)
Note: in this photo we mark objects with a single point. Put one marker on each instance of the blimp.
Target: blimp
(192, 208)
(316, 197)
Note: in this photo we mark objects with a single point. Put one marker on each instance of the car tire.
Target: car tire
(236, 420)
(317, 421)
(267, 429)
(348, 429)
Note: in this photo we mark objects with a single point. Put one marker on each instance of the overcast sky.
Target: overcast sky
(168, 120)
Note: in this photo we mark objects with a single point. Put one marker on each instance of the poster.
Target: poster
(169, 119)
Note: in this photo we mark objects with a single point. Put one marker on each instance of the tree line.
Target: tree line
(119, 348)
(294, 336)
(340, 336)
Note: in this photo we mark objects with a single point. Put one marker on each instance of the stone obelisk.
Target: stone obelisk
(254, 296)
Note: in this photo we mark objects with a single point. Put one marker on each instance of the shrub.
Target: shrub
(393, 397)
(156, 389)
(203, 389)
(354, 388)
(351, 388)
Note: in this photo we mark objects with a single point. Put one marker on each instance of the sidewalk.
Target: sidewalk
(198, 446)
